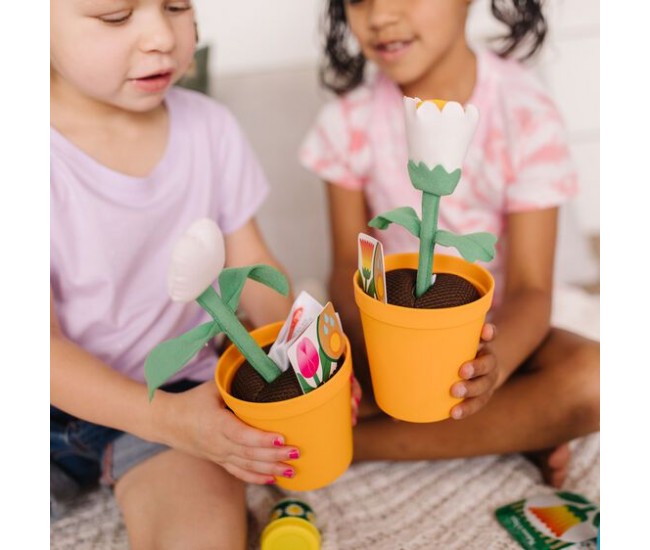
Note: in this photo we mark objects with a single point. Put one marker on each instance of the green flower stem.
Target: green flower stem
(211, 302)
(430, 204)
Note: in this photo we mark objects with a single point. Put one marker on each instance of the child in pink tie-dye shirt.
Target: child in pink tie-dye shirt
(533, 388)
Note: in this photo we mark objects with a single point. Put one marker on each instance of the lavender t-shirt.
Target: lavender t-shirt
(111, 235)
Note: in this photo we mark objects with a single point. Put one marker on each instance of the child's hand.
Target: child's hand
(356, 398)
(479, 378)
(205, 428)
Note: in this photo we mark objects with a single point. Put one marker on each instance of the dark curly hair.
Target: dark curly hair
(342, 71)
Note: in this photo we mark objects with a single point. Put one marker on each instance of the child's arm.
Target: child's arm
(261, 304)
(523, 319)
(195, 421)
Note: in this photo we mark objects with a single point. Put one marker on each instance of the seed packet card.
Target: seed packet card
(314, 355)
(371, 267)
(552, 522)
(304, 310)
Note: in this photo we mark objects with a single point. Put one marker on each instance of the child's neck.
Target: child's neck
(453, 78)
(128, 142)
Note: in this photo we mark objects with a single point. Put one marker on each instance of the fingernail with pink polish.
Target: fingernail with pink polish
(270, 481)
(469, 371)
(289, 473)
(278, 442)
(294, 453)
(457, 413)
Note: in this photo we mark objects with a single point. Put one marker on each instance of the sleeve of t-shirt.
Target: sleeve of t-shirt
(242, 187)
(336, 147)
(543, 171)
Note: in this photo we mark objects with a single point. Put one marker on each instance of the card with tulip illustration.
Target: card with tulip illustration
(315, 354)
(304, 310)
(371, 267)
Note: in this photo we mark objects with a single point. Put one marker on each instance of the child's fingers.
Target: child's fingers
(273, 469)
(242, 434)
(479, 366)
(488, 332)
(469, 407)
(264, 454)
(247, 476)
(356, 398)
(473, 388)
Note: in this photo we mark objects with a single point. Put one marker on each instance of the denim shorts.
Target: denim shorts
(83, 454)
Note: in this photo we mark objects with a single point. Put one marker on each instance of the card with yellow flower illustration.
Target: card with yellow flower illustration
(315, 354)
(371, 267)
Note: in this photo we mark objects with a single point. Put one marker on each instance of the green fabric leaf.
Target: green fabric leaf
(232, 279)
(472, 247)
(436, 181)
(169, 357)
(404, 216)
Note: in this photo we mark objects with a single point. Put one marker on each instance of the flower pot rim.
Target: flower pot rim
(423, 318)
(295, 406)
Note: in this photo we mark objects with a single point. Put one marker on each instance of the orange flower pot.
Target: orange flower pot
(414, 354)
(319, 423)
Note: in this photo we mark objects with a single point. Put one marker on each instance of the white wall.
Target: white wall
(259, 35)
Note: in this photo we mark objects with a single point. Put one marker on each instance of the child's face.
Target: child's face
(124, 53)
(408, 39)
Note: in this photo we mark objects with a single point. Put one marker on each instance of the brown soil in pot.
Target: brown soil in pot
(248, 385)
(449, 290)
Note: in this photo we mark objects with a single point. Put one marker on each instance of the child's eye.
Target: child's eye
(176, 7)
(116, 18)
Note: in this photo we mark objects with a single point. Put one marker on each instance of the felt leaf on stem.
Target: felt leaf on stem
(404, 216)
(472, 247)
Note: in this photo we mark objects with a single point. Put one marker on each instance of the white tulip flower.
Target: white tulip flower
(439, 132)
(197, 260)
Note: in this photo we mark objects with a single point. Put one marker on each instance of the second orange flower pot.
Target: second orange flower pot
(319, 423)
(414, 354)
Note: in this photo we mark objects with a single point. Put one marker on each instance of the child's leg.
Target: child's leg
(174, 500)
(554, 399)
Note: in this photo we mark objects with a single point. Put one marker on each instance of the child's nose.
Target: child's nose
(158, 35)
(383, 13)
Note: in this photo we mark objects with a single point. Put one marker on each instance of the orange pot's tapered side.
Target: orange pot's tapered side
(414, 354)
(318, 423)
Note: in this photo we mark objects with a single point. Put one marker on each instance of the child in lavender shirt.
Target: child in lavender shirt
(133, 164)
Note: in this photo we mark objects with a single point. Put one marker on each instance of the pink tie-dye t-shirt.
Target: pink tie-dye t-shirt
(518, 160)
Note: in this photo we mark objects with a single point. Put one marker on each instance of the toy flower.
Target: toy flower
(438, 134)
(197, 260)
